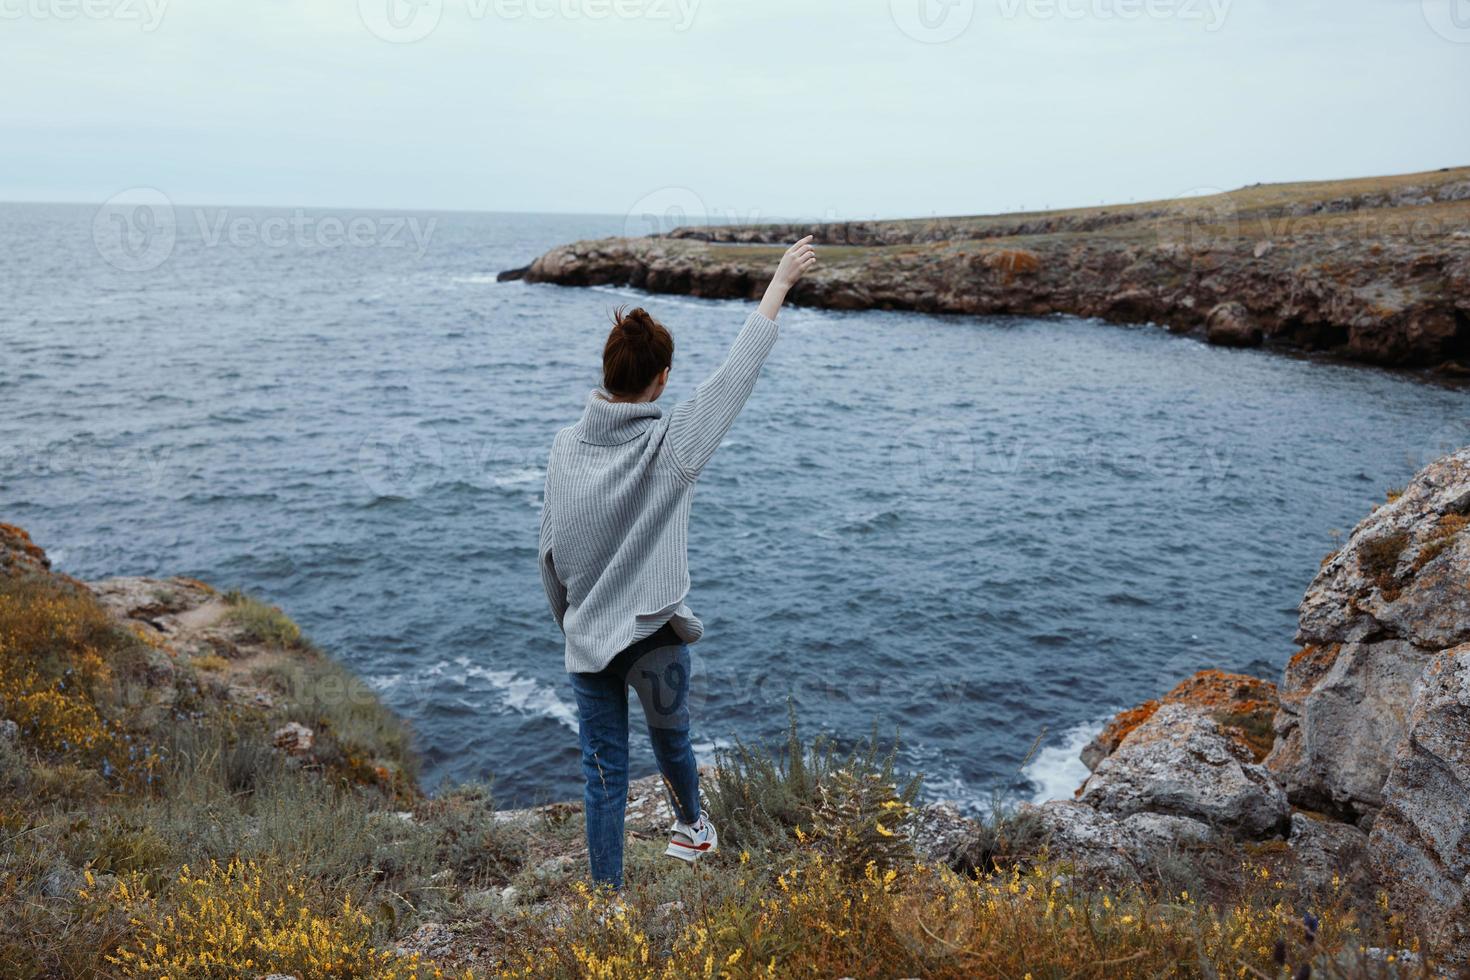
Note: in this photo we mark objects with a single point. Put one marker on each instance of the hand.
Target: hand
(799, 259)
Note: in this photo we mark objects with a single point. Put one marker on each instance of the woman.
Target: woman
(614, 560)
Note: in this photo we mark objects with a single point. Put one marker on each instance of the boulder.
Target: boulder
(19, 555)
(1378, 611)
(1181, 762)
(1404, 572)
(1243, 705)
(1230, 324)
(1330, 858)
(1102, 848)
(294, 739)
(940, 833)
(1421, 839)
(1343, 711)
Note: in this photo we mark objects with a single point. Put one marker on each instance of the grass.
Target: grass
(252, 917)
(1248, 214)
(210, 661)
(354, 730)
(758, 796)
(1379, 559)
(1441, 540)
(812, 918)
(262, 623)
(114, 788)
(225, 857)
(784, 902)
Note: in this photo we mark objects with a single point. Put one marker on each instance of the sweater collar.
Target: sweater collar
(606, 423)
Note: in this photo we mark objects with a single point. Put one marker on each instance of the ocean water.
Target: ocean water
(982, 534)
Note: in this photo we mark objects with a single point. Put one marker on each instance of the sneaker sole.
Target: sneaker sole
(691, 852)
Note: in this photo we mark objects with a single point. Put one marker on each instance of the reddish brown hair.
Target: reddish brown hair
(637, 349)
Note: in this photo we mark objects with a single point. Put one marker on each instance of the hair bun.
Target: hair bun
(635, 321)
(638, 347)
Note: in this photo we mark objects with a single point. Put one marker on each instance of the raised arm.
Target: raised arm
(799, 259)
(699, 423)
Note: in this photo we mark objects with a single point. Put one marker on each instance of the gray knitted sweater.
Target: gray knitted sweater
(615, 525)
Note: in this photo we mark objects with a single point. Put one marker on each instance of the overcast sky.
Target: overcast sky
(750, 108)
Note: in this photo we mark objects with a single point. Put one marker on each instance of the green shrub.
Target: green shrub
(355, 731)
(1379, 559)
(759, 798)
(15, 769)
(261, 623)
(469, 840)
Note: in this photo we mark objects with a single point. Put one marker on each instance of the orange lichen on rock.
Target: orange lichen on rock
(1244, 706)
(18, 553)
(1013, 262)
(1440, 540)
(1123, 724)
(1220, 690)
(1308, 666)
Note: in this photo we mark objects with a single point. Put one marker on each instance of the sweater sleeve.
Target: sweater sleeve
(556, 590)
(699, 423)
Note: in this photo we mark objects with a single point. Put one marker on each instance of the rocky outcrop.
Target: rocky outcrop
(1231, 325)
(1421, 839)
(1331, 857)
(1369, 729)
(1104, 847)
(1397, 593)
(1243, 707)
(1343, 712)
(19, 555)
(1375, 273)
(1177, 774)
(1181, 763)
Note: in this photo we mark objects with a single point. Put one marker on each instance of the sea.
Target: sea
(977, 537)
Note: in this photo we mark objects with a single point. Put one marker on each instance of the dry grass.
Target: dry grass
(805, 915)
(232, 859)
(261, 623)
(1240, 217)
(130, 766)
(1446, 531)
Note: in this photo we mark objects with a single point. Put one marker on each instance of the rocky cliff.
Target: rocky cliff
(189, 787)
(1375, 269)
(1355, 769)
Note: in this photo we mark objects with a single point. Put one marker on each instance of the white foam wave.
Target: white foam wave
(1057, 770)
(662, 299)
(513, 692)
(520, 477)
(525, 695)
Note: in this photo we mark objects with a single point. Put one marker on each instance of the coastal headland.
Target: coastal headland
(1374, 269)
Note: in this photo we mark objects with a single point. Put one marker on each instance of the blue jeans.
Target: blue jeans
(657, 667)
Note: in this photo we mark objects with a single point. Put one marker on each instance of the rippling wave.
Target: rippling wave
(970, 532)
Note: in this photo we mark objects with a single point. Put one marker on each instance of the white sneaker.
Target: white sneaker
(690, 843)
